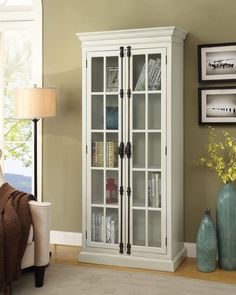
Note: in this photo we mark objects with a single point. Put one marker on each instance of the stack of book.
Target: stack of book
(97, 227)
(154, 76)
(154, 190)
(111, 230)
(111, 154)
(97, 154)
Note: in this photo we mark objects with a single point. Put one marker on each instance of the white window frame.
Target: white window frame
(20, 17)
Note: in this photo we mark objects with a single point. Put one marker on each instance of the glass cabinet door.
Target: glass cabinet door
(148, 137)
(103, 138)
(148, 161)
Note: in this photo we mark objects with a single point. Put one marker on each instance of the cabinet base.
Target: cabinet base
(134, 261)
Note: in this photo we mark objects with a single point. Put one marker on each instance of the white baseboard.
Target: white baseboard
(191, 249)
(75, 239)
(65, 238)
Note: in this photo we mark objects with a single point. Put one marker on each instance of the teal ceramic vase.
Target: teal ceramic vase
(226, 227)
(206, 244)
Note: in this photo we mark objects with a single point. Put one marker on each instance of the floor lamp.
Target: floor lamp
(35, 104)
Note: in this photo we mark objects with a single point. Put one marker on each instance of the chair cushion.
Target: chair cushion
(30, 238)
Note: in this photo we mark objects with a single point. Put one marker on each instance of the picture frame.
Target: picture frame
(112, 79)
(217, 62)
(217, 105)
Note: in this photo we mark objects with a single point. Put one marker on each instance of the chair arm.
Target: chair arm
(40, 213)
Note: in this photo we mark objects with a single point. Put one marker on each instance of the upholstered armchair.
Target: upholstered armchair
(37, 250)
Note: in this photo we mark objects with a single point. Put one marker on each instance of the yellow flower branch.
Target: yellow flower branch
(221, 156)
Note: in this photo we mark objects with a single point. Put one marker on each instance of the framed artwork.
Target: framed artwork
(217, 105)
(217, 62)
(112, 79)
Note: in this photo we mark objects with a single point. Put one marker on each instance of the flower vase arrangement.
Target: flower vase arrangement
(221, 158)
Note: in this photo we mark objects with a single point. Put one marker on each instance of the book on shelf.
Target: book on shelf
(111, 230)
(154, 76)
(108, 229)
(97, 154)
(154, 190)
(111, 154)
(93, 236)
(97, 227)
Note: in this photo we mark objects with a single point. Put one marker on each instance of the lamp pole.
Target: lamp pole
(35, 121)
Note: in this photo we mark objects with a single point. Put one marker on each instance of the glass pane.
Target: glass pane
(97, 74)
(154, 189)
(112, 226)
(139, 72)
(97, 187)
(138, 189)
(112, 184)
(112, 150)
(154, 111)
(97, 226)
(154, 150)
(154, 228)
(154, 72)
(138, 150)
(97, 112)
(139, 111)
(112, 73)
(112, 112)
(17, 65)
(139, 228)
(15, 170)
(97, 153)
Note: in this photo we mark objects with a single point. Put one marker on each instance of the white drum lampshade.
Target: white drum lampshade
(35, 102)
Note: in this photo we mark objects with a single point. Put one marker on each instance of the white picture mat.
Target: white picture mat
(219, 50)
(217, 119)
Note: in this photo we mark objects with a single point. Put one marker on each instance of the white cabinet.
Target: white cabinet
(133, 148)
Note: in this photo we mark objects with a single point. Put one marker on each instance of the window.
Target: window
(15, 2)
(20, 56)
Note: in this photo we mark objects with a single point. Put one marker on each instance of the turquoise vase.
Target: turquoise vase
(206, 244)
(226, 227)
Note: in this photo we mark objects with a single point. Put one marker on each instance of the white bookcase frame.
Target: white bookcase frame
(168, 42)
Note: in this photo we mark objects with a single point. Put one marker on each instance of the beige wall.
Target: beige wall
(207, 21)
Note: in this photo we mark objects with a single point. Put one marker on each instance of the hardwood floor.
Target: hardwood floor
(69, 255)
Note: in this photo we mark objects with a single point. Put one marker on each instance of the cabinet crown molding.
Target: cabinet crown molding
(159, 33)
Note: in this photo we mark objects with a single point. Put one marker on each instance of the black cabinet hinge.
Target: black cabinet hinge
(121, 190)
(166, 241)
(121, 93)
(128, 150)
(86, 149)
(121, 248)
(128, 249)
(121, 51)
(166, 150)
(166, 59)
(129, 93)
(86, 235)
(121, 149)
(128, 191)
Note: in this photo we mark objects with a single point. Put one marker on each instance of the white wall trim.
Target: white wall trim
(65, 238)
(191, 249)
(75, 239)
